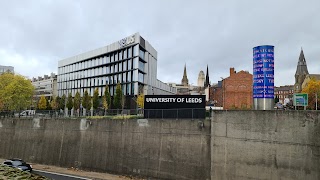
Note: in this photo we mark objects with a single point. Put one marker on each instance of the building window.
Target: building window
(120, 78)
(124, 65)
(115, 57)
(120, 66)
(129, 76)
(135, 50)
(129, 52)
(140, 77)
(128, 89)
(141, 54)
(141, 66)
(124, 77)
(132, 88)
(125, 54)
(112, 58)
(129, 64)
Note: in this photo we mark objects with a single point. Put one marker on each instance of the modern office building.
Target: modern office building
(132, 62)
(4, 69)
(46, 86)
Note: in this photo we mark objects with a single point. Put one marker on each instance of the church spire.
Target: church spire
(185, 80)
(302, 64)
(207, 83)
(301, 72)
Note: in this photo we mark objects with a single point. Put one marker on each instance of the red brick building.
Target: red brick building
(283, 92)
(237, 90)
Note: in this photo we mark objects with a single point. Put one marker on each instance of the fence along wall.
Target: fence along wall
(265, 145)
(169, 149)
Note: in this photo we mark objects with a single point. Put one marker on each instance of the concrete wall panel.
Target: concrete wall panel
(174, 149)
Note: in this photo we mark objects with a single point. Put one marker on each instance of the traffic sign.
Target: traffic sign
(300, 99)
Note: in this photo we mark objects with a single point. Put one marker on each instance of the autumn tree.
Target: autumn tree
(42, 103)
(62, 102)
(69, 101)
(86, 100)
(1, 105)
(95, 99)
(15, 92)
(313, 91)
(54, 103)
(140, 100)
(117, 100)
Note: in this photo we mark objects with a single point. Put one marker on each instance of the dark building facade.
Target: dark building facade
(215, 95)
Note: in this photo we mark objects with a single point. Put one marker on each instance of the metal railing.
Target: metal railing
(139, 113)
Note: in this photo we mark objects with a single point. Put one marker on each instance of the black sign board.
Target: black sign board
(174, 106)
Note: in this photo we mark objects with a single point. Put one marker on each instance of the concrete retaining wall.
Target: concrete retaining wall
(265, 145)
(169, 149)
(240, 145)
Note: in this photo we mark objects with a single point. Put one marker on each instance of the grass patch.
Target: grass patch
(14, 173)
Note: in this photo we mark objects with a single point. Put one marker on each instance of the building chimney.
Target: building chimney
(232, 71)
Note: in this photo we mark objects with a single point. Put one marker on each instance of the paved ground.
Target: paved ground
(76, 172)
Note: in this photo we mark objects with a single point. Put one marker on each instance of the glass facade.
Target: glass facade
(133, 65)
(121, 66)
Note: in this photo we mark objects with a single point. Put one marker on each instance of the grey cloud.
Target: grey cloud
(218, 33)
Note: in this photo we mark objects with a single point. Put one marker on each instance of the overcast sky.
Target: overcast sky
(35, 35)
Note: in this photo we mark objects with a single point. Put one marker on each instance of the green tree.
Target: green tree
(95, 99)
(86, 100)
(69, 102)
(77, 101)
(15, 92)
(107, 98)
(104, 103)
(62, 102)
(313, 91)
(117, 101)
(276, 99)
(42, 103)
